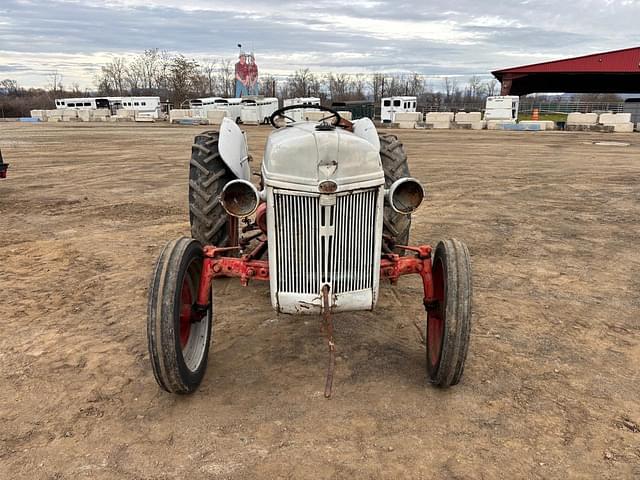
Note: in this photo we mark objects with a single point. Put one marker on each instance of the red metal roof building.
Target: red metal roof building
(609, 72)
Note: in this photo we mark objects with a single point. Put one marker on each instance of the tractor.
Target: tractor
(327, 224)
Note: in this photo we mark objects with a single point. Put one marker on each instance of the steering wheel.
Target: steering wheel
(280, 113)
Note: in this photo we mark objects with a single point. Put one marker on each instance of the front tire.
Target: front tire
(178, 338)
(449, 321)
(395, 166)
(208, 174)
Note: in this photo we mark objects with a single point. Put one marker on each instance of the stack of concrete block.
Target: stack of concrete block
(541, 124)
(407, 120)
(100, 115)
(178, 114)
(471, 120)
(69, 115)
(215, 117)
(499, 124)
(84, 115)
(621, 122)
(346, 115)
(123, 115)
(439, 120)
(54, 115)
(41, 115)
(582, 119)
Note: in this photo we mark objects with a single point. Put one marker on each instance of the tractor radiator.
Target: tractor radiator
(328, 239)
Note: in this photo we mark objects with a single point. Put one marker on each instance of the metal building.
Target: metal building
(609, 72)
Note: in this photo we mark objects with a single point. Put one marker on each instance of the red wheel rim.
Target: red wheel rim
(186, 303)
(436, 318)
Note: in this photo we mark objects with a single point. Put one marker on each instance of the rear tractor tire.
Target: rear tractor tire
(178, 335)
(395, 166)
(449, 321)
(208, 174)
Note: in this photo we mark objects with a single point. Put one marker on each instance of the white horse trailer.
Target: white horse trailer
(203, 102)
(233, 107)
(258, 110)
(298, 114)
(392, 105)
(502, 108)
(147, 106)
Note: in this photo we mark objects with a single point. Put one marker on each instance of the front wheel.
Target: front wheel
(449, 319)
(178, 334)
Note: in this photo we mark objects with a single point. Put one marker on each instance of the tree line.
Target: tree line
(176, 78)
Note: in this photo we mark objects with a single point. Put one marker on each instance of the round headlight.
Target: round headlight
(405, 195)
(240, 198)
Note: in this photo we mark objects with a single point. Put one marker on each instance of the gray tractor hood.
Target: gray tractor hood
(300, 157)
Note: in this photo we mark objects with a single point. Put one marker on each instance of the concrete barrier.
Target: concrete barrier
(345, 114)
(408, 117)
(481, 125)
(470, 117)
(499, 124)
(100, 115)
(69, 114)
(406, 125)
(178, 114)
(39, 114)
(84, 115)
(445, 125)
(438, 117)
(622, 127)
(543, 124)
(614, 118)
(582, 119)
(215, 117)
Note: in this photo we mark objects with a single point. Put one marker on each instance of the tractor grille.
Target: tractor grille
(329, 240)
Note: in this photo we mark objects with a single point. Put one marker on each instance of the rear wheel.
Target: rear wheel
(178, 335)
(208, 174)
(449, 320)
(395, 166)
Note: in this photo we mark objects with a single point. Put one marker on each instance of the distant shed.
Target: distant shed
(632, 106)
(358, 108)
(609, 72)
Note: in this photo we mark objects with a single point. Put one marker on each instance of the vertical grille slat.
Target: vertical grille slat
(307, 259)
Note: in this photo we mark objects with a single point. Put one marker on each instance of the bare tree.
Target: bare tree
(226, 78)
(115, 73)
(10, 86)
(491, 87)
(268, 86)
(183, 78)
(209, 72)
(55, 82)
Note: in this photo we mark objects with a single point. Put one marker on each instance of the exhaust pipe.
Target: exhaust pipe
(405, 195)
(240, 198)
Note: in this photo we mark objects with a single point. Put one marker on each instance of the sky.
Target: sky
(436, 39)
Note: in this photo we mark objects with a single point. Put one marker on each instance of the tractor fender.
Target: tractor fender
(232, 146)
(364, 128)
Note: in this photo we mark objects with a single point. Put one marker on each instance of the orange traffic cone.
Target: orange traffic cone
(535, 115)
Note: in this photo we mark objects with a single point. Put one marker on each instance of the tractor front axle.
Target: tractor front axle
(246, 267)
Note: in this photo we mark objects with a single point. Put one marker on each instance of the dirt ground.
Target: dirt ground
(552, 384)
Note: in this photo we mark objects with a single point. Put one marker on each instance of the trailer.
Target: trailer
(147, 106)
(632, 106)
(358, 108)
(233, 107)
(298, 114)
(258, 110)
(203, 102)
(502, 108)
(392, 105)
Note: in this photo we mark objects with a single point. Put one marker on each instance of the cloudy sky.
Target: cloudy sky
(463, 37)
